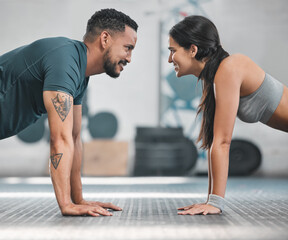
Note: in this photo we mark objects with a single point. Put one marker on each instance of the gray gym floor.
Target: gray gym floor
(256, 209)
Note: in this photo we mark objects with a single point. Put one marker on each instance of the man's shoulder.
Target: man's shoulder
(58, 47)
(55, 42)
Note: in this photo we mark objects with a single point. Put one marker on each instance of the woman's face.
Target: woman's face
(181, 58)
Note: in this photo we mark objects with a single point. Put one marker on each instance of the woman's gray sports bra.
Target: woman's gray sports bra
(261, 104)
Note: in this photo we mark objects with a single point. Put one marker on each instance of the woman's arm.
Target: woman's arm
(227, 93)
(209, 173)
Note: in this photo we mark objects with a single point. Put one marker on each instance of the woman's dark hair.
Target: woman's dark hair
(201, 32)
(107, 19)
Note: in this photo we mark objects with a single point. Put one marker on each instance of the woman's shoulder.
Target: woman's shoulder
(232, 68)
(235, 64)
(236, 59)
(239, 70)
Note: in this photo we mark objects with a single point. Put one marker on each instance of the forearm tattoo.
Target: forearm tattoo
(55, 159)
(62, 104)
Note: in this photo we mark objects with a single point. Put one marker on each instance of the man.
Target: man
(51, 75)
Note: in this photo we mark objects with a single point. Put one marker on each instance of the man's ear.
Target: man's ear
(105, 38)
(193, 50)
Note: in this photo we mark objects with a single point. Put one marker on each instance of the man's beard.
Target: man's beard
(109, 66)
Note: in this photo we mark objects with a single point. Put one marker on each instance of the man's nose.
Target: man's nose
(128, 58)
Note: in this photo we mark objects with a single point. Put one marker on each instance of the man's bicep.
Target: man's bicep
(59, 106)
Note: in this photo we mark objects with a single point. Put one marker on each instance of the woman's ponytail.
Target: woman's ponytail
(207, 104)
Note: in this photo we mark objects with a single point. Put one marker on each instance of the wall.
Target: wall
(257, 28)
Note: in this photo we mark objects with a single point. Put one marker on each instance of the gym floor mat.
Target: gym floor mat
(256, 208)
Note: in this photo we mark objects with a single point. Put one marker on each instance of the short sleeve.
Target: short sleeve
(82, 90)
(61, 70)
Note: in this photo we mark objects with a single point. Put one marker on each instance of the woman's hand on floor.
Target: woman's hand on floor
(199, 209)
(191, 206)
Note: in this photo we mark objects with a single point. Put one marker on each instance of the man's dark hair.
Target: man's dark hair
(110, 20)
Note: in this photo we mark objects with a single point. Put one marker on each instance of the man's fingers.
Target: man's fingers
(91, 213)
(112, 206)
(80, 210)
(109, 205)
(102, 211)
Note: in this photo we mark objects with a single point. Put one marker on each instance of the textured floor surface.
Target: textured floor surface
(255, 209)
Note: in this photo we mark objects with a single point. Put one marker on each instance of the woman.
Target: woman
(232, 86)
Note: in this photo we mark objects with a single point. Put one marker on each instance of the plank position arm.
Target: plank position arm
(66, 155)
(227, 85)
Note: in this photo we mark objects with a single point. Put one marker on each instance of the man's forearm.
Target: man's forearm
(75, 179)
(61, 154)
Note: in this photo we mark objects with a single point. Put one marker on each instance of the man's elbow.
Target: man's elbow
(76, 137)
(61, 140)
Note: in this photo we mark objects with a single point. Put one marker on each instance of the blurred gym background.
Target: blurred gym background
(144, 123)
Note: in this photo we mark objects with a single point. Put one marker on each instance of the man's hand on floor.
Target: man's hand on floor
(91, 208)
